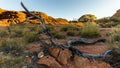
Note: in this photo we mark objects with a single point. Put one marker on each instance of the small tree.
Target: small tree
(87, 18)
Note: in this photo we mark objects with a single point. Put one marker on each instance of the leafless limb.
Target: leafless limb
(70, 42)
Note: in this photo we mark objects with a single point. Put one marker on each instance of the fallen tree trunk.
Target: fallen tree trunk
(70, 42)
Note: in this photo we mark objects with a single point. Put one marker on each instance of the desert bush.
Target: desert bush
(104, 20)
(50, 28)
(54, 32)
(90, 31)
(108, 24)
(115, 19)
(13, 62)
(115, 38)
(12, 46)
(19, 31)
(32, 27)
(65, 28)
(26, 30)
(60, 36)
(3, 33)
(57, 34)
(31, 37)
(7, 61)
(79, 24)
(115, 33)
(108, 21)
(16, 31)
(68, 28)
(71, 33)
(17, 60)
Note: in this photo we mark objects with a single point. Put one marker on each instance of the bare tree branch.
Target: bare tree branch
(70, 42)
(28, 18)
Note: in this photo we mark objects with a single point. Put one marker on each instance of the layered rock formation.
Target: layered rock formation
(15, 17)
(48, 19)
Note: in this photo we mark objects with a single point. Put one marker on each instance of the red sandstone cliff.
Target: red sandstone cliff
(117, 14)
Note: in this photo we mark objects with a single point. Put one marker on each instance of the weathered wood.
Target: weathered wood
(70, 42)
(69, 46)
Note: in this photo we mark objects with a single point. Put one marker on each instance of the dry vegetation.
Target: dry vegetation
(14, 40)
(15, 37)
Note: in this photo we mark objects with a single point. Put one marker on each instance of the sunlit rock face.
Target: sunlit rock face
(11, 17)
(2, 10)
(15, 17)
(49, 19)
(117, 14)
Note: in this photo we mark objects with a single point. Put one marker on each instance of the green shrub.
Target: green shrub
(115, 36)
(90, 31)
(7, 61)
(50, 28)
(60, 36)
(26, 30)
(57, 34)
(71, 33)
(65, 28)
(4, 43)
(69, 27)
(16, 31)
(12, 46)
(31, 37)
(54, 32)
(115, 19)
(39, 31)
(18, 60)
(108, 34)
(9, 42)
(3, 33)
(31, 27)
(108, 22)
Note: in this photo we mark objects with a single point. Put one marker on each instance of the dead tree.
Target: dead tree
(69, 43)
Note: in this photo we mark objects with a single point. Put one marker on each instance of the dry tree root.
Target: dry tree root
(69, 43)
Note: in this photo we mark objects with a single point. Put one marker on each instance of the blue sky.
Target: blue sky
(69, 9)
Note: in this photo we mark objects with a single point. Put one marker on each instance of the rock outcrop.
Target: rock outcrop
(65, 59)
(49, 19)
(59, 58)
(117, 14)
(15, 17)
